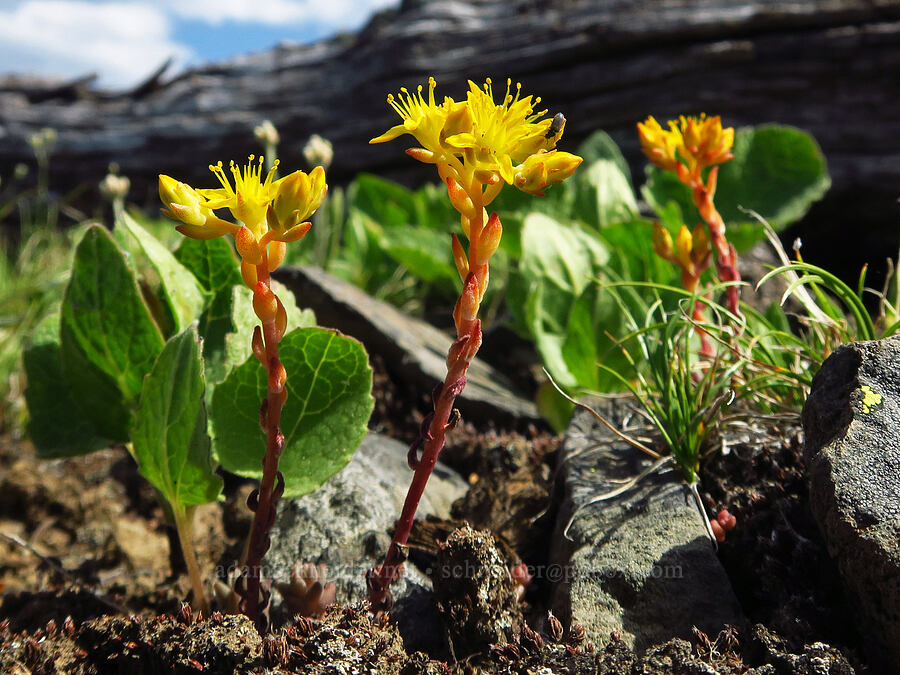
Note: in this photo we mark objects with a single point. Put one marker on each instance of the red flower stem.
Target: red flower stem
(726, 256)
(459, 358)
(460, 355)
(254, 597)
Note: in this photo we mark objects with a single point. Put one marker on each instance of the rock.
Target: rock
(344, 524)
(418, 349)
(475, 592)
(852, 450)
(640, 563)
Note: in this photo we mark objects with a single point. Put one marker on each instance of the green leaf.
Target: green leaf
(243, 320)
(558, 262)
(777, 171)
(108, 339)
(566, 255)
(600, 145)
(212, 262)
(215, 267)
(182, 294)
(386, 202)
(427, 254)
(595, 316)
(324, 418)
(170, 440)
(57, 424)
(604, 195)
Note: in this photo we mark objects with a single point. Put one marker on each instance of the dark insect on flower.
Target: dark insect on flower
(556, 125)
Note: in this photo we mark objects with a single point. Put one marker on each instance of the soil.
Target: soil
(91, 581)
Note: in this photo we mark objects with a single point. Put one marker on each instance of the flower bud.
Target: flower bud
(185, 204)
(248, 272)
(265, 304)
(280, 320)
(459, 198)
(489, 240)
(662, 243)
(277, 251)
(422, 155)
(247, 246)
(459, 257)
(299, 195)
(277, 377)
(545, 168)
(318, 151)
(683, 246)
(259, 348)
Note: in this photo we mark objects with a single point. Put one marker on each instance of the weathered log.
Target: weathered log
(829, 66)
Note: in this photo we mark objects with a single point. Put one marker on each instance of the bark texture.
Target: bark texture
(829, 66)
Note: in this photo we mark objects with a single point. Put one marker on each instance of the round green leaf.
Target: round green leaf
(323, 421)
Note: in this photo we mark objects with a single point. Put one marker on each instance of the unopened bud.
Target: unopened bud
(683, 246)
(422, 155)
(277, 251)
(265, 304)
(459, 198)
(459, 257)
(248, 272)
(662, 243)
(259, 348)
(489, 240)
(280, 320)
(247, 246)
(277, 377)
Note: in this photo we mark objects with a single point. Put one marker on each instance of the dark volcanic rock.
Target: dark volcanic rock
(853, 452)
(415, 348)
(640, 563)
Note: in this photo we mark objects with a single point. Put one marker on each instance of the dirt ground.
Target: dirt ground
(91, 582)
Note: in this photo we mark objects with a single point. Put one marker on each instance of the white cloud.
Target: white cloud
(339, 14)
(121, 41)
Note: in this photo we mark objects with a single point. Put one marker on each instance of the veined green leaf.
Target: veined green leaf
(57, 424)
(170, 438)
(323, 421)
(108, 339)
(183, 296)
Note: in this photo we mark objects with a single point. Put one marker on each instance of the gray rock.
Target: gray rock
(640, 563)
(417, 347)
(344, 524)
(852, 449)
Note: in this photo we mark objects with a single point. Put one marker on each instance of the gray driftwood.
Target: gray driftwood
(829, 66)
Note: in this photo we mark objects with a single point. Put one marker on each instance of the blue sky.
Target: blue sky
(123, 41)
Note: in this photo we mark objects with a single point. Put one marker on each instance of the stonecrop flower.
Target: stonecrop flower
(691, 142)
(483, 139)
(267, 209)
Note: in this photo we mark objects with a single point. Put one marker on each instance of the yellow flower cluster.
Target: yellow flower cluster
(272, 210)
(688, 146)
(690, 251)
(482, 139)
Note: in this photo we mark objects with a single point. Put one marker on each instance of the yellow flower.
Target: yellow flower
(422, 118)
(659, 144)
(502, 134)
(251, 195)
(706, 143)
(694, 142)
(183, 203)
